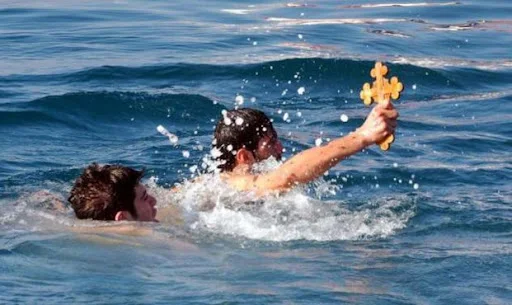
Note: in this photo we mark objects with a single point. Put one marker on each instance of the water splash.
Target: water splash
(291, 216)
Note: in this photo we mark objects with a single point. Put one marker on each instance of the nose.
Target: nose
(279, 146)
(278, 149)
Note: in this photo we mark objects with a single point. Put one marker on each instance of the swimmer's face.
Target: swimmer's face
(269, 146)
(144, 204)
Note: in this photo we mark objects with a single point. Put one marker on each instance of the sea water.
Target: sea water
(428, 222)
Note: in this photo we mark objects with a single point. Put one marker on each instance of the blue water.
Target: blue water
(429, 222)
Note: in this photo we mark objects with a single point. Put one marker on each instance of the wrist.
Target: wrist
(364, 137)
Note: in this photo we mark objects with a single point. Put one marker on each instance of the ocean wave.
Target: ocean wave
(105, 107)
(186, 78)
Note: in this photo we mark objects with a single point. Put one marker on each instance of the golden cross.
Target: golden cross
(382, 91)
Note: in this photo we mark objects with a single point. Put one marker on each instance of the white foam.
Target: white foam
(296, 216)
(296, 22)
(40, 210)
(385, 5)
(236, 11)
(452, 62)
(211, 205)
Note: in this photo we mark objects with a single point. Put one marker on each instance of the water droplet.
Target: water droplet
(239, 99)
(216, 153)
(344, 118)
(318, 142)
(301, 90)
(416, 186)
(172, 137)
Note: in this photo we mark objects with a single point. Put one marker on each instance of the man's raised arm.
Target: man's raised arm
(314, 162)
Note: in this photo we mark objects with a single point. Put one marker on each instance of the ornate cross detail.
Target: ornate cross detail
(381, 91)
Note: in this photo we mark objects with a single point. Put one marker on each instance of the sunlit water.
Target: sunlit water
(428, 222)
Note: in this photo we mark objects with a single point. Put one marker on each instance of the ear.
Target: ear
(123, 215)
(244, 156)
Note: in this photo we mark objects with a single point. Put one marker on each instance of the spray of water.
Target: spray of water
(208, 204)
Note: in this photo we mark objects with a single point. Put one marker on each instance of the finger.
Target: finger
(386, 103)
(390, 127)
(390, 114)
(379, 110)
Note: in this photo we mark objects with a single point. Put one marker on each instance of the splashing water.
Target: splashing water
(172, 137)
(289, 216)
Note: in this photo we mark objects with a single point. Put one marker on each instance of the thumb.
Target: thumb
(386, 104)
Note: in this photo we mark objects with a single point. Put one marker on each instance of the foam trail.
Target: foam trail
(237, 11)
(389, 33)
(384, 5)
(426, 62)
(295, 22)
(456, 27)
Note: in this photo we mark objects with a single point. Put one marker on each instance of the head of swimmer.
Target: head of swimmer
(245, 136)
(112, 192)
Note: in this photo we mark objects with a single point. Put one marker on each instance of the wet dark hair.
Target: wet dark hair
(239, 128)
(102, 191)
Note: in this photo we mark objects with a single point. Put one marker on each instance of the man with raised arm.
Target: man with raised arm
(246, 136)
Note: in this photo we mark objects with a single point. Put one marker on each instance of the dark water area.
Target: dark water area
(428, 222)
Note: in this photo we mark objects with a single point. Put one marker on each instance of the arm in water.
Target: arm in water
(314, 162)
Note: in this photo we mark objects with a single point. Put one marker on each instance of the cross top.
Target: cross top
(381, 91)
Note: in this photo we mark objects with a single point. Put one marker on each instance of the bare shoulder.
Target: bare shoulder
(123, 229)
(259, 184)
(241, 182)
(170, 214)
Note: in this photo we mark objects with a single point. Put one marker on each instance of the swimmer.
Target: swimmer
(245, 136)
(112, 192)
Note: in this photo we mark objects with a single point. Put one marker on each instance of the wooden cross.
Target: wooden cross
(381, 91)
